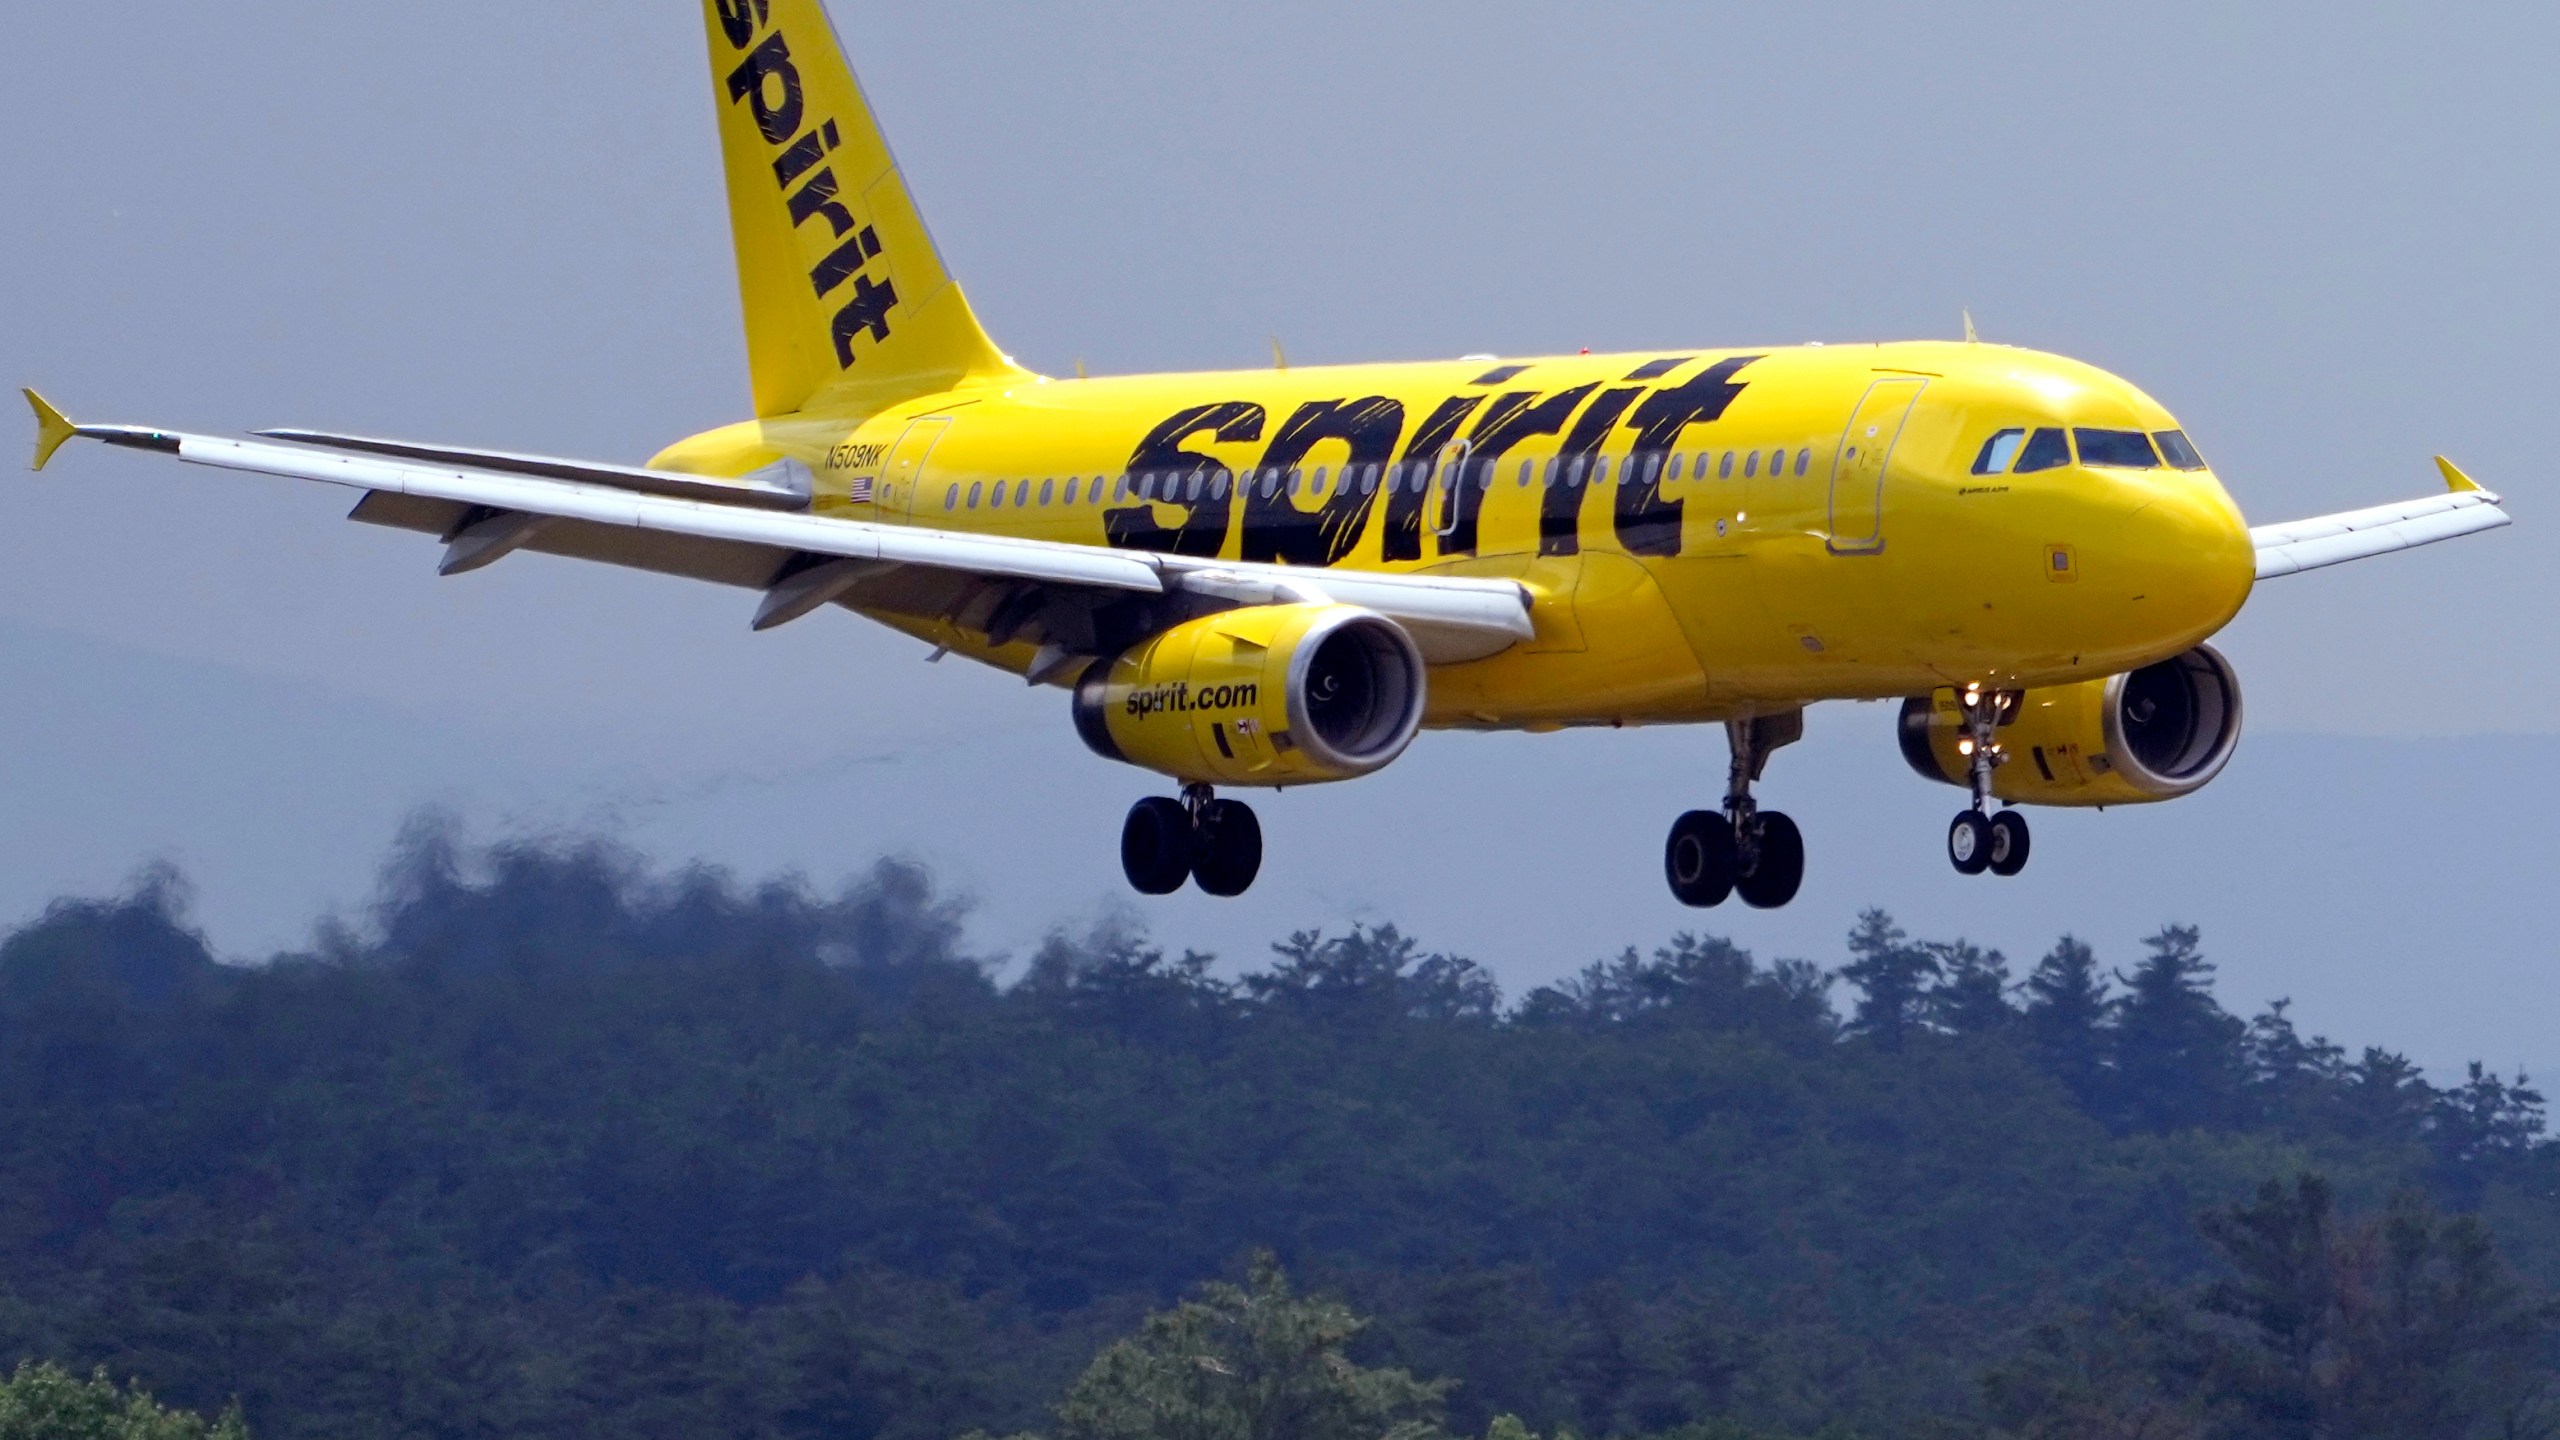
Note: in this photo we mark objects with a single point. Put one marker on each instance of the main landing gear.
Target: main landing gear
(1978, 840)
(1217, 843)
(1742, 849)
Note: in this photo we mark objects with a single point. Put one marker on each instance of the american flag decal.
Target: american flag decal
(861, 489)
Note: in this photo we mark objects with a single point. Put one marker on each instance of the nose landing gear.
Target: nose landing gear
(1742, 850)
(1200, 838)
(1978, 840)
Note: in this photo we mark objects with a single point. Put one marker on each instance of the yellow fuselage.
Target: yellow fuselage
(1705, 534)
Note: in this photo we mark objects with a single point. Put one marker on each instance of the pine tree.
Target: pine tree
(2067, 1014)
(1892, 975)
(1972, 996)
(2179, 1056)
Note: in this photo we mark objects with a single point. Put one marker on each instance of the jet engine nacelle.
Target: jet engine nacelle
(2151, 734)
(1265, 695)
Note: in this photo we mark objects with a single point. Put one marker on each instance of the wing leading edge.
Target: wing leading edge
(2299, 545)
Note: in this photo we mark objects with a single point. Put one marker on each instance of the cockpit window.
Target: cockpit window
(2047, 449)
(2178, 450)
(2123, 449)
(1998, 451)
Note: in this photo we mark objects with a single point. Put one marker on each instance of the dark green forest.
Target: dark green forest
(550, 1144)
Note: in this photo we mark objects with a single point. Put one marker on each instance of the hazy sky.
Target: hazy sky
(2321, 235)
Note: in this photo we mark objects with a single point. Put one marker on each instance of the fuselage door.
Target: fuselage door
(1859, 466)
(1452, 482)
(902, 474)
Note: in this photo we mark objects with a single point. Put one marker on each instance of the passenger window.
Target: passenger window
(1750, 464)
(1804, 461)
(1294, 482)
(1368, 479)
(974, 488)
(1318, 487)
(996, 500)
(1048, 490)
(1600, 471)
(1724, 467)
(1998, 451)
(2178, 450)
(1120, 487)
(2047, 449)
(951, 500)
(1218, 486)
(1191, 486)
(2123, 449)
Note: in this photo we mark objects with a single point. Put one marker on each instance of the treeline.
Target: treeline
(554, 1146)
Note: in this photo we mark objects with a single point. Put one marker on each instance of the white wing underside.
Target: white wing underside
(805, 561)
(2358, 534)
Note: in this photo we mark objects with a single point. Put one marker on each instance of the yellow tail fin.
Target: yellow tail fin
(847, 304)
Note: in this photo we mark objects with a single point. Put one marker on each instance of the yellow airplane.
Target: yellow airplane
(1278, 577)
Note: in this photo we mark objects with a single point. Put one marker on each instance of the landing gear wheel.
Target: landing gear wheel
(1155, 845)
(1969, 843)
(1772, 863)
(1700, 859)
(2008, 843)
(1226, 848)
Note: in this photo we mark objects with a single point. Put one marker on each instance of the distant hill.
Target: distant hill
(553, 1145)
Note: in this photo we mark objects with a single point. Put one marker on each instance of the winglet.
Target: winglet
(2454, 479)
(52, 429)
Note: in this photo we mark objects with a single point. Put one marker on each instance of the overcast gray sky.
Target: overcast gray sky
(2320, 234)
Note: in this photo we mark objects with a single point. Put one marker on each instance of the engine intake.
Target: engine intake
(1264, 695)
(2150, 734)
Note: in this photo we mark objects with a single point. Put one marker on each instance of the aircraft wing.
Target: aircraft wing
(2464, 509)
(487, 505)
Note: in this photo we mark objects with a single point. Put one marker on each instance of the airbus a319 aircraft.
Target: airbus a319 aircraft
(1271, 578)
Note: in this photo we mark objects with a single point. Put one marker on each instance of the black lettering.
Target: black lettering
(808, 150)
(1656, 369)
(867, 310)
(1513, 417)
(1560, 512)
(818, 197)
(740, 26)
(1275, 528)
(1648, 524)
(779, 120)
(848, 257)
(1404, 500)
(1204, 530)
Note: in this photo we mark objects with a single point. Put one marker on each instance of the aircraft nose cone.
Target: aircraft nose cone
(2196, 547)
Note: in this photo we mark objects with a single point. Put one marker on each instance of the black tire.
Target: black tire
(1969, 843)
(1155, 846)
(1700, 859)
(1773, 868)
(1226, 850)
(2009, 845)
